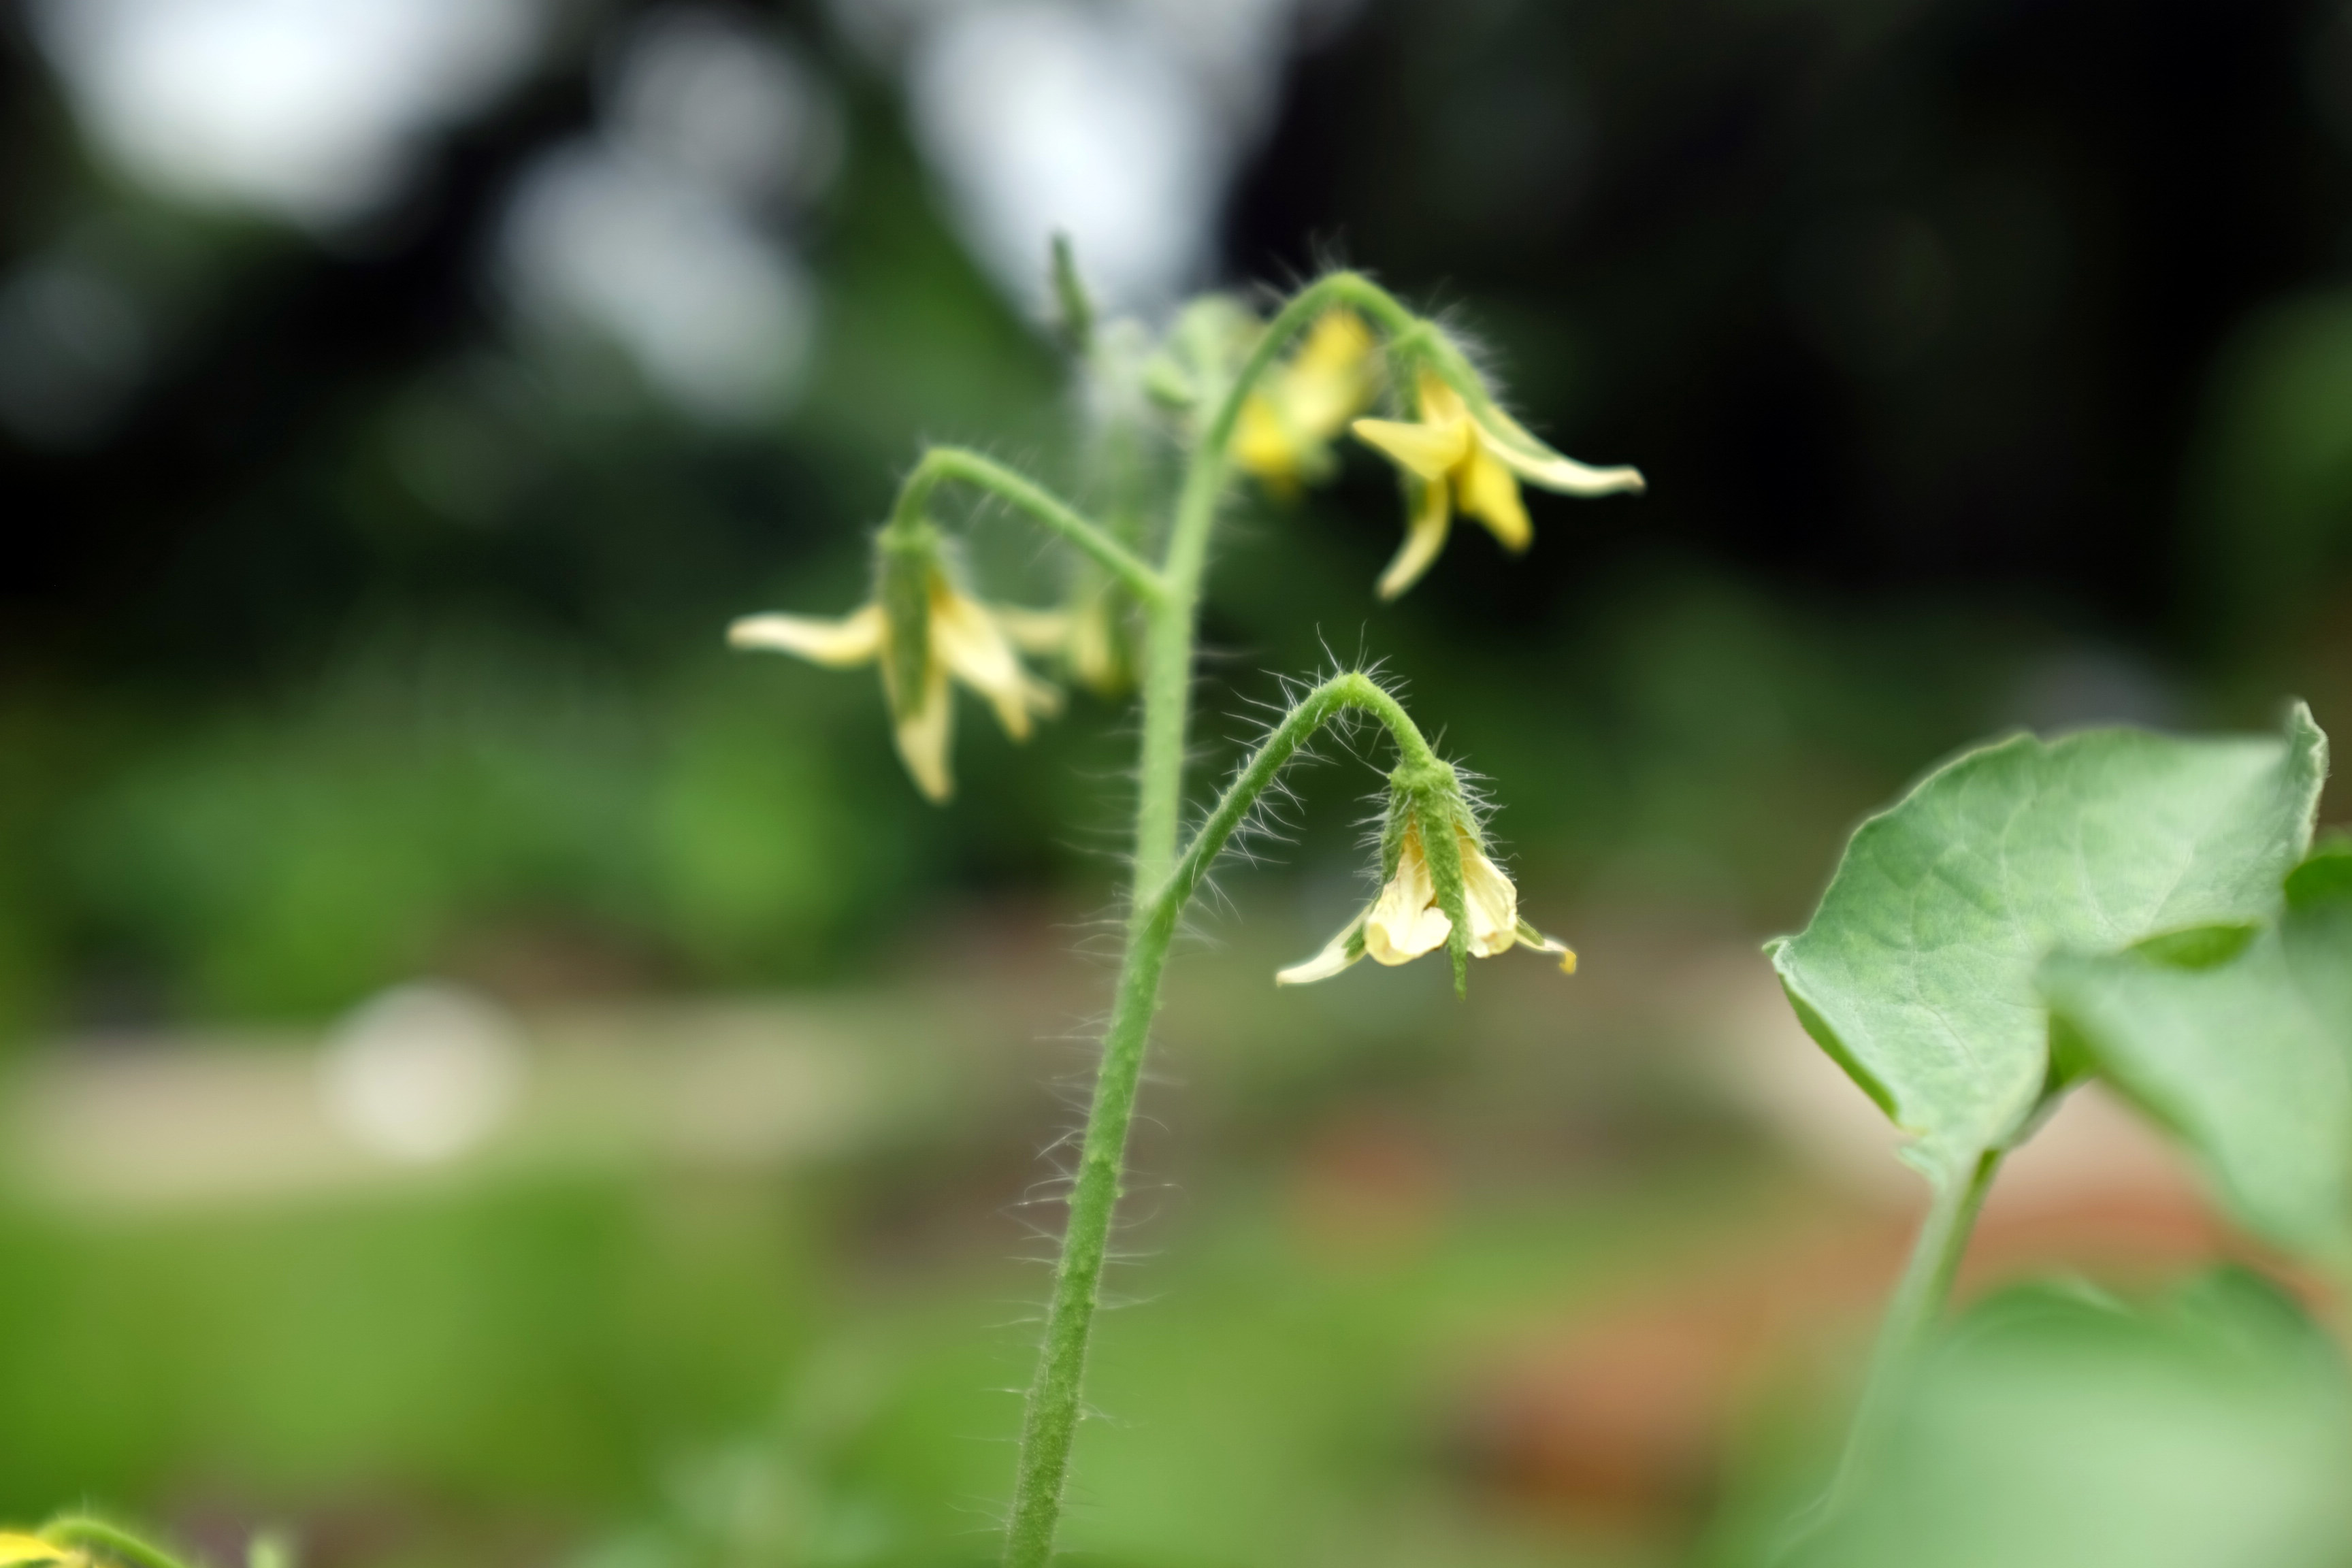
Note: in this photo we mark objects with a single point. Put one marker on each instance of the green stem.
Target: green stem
(1050, 1423)
(107, 1543)
(1911, 1313)
(941, 464)
(1168, 648)
(1160, 889)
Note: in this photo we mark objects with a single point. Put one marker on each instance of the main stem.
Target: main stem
(1173, 623)
(1050, 1425)
(1160, 889)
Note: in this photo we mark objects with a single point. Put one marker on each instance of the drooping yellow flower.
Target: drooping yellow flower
(922, 630)
(1405, 921)
(1287, 423)
(26, 1550)
(1456, 455)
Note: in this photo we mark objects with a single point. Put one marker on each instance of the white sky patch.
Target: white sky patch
(699, 92)
(312, 109)
(1045, 116)
(660, 234)
(1121, 123)
(713, 311)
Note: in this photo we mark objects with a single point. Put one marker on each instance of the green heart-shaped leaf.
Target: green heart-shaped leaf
(2249, 1059)
(1918, 970)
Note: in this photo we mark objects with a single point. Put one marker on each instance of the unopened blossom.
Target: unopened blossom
(1287, 423)
(1457, 455)
(922, 631)
(1086, 635)
(1405, 921)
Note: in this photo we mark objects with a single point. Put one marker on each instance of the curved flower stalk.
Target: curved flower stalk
(1268, 398)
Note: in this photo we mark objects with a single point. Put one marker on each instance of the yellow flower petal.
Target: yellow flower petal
(1035, 631)
(1262, 444)
(30, 1549)
(1489, 493)
(1539, 465)
(1338, 953)
(856, 639)
(1424, 536)
(1394, 941)
(1405, 922)
(1490, 903)
(1331, 378)
(969, 642)
(924, 734)
(1439, 403)
(1427, 451)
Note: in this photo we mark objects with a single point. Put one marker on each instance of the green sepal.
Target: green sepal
(1425, 796)
(907, 568)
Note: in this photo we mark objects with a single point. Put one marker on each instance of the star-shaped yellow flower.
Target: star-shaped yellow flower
(1405, 921)
(1456, 455)
(1287, 423)
(922, 630)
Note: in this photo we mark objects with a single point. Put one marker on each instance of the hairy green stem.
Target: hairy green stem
(1168, 650)
(941, 464)
(1050, 1423)
(106, 1542)
(1160, 889)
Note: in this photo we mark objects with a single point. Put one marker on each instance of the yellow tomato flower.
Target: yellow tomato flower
(1405, 921)
(1287, 423)
(922, 631)
(1457, 455)
(29, 1550)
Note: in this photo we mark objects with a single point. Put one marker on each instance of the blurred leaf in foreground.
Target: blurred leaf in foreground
(2240, 1041)
(2059, 1430)
(1916, 973)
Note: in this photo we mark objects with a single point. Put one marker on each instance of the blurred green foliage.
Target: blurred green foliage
(634, 1371)
(2061, 1428)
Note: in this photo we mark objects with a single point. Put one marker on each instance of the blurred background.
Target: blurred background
(494, 1078)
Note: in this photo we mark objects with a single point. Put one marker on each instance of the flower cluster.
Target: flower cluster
(1455, 449)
